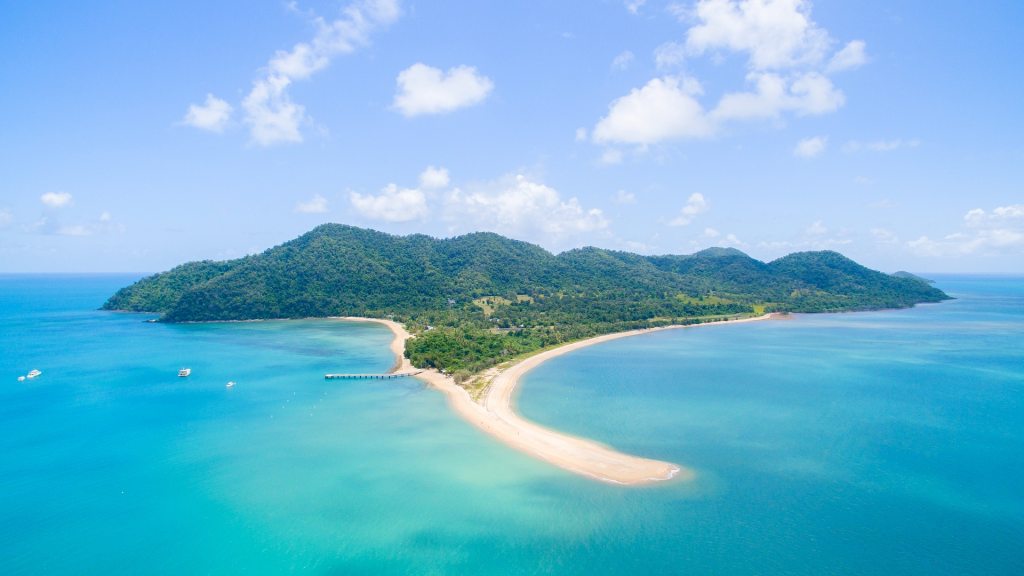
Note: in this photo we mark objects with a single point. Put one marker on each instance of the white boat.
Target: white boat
(21, 378)
(230, 384)
(34, 373)
(184, 372)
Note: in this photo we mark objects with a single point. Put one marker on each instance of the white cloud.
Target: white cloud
(581, 134)
(213, 115)
(622, 60)
(103, 224)
(6, 218)
(623, 197)
(775, 34)
(393, 204)
(271, 115)
(786, 60)
(731, 240)
(669, 55)
(695, 204)
(711, 233)
(634, 6)
(852, 56)
(315, 205)
(56, 199)
(807, 94)
(665, 108)
(816, 229)
(1001, 216)
(426, 90)
(881, 145)
(611, 156)
(1000, 231)
(810, 147)
(523, 208)
(432, 178)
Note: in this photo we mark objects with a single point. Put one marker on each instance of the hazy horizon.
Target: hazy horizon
(140, 137)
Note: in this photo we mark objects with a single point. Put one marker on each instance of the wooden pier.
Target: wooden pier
(370, 376)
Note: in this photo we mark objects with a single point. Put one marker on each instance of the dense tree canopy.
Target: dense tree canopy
(489, 298)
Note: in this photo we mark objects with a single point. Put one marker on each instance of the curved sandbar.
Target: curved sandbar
(495, 415)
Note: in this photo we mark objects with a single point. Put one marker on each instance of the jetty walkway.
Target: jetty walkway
(371, 376)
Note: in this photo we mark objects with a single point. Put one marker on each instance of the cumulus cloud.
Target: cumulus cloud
(271, 115)
(731, 240)
(665, 108)
(852, 56)
(6, 218)
(810, 147)
(55, 199)
(695, 204)
(213, 115)
(432, 178)
(423, 89)
(1001, 216)
(315, 205)
(622, 60)
(774, 34)
(524, 208)
(393, 204)
(634, 6)
(788, 61)
(1000, 231)
(581, 134)
(102, 224)
(806, 94)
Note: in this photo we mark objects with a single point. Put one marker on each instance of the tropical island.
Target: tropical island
(474, 311)
(477, 300)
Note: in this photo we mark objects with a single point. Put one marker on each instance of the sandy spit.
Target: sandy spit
(495, 414)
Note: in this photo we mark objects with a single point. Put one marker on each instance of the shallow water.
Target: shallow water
(886, 443)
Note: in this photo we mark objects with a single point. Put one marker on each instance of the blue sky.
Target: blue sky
(137, 136)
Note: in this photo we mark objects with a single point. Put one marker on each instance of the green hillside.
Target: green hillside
(488, 298)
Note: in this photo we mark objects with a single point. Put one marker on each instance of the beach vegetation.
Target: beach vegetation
(477, 300)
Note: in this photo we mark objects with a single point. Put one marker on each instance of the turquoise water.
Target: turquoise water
(871, 443)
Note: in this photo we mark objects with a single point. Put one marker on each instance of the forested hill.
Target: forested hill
(489, 283)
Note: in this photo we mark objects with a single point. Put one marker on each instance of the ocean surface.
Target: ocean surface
(869, 443)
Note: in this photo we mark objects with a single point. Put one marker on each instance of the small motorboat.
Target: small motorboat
(34, 373)
(230, 384)
(184, 372)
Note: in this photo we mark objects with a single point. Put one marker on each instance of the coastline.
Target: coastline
(496, 416)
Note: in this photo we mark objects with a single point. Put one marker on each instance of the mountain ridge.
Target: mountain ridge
(512, 295)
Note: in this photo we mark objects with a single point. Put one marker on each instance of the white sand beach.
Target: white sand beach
(495, 414)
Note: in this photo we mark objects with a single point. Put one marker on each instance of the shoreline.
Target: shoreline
(496, 415)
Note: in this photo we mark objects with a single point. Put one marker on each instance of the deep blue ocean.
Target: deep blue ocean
(873, 443)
